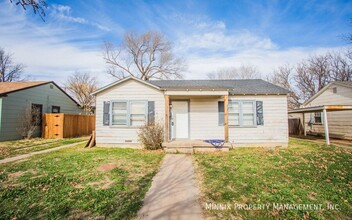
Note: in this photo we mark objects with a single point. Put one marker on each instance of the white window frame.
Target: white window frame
(128, 113)
(241, 113)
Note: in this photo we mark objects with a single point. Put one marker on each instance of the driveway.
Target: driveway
(174, 193)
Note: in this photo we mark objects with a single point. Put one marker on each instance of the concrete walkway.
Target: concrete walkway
(174, 193)
(23, 156)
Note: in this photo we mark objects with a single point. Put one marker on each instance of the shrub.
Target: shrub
(152, 136)
(29, 122)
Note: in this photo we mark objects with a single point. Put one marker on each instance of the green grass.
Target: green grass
(303, 173)
(18, 147)
(72, 183)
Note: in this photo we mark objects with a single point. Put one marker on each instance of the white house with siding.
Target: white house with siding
(241, 112)
(336, 95)
(42, 96)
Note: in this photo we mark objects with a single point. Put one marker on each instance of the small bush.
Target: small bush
(152, 136)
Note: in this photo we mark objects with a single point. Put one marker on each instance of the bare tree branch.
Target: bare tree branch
(81, 85)
(283, 76)
(9, 71)
(38, 6)
(143, 56)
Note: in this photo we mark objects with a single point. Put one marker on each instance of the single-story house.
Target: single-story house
(249, 112)
(336, 99)
(39, 96)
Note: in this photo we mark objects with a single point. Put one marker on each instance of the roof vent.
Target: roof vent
(51, 86)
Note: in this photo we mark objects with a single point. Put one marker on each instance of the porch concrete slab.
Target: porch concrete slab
(174, 193)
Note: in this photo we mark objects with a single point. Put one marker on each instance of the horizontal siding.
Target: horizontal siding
(343, 96)
(129, 90)
(339, 123)
(15, 104)
(204, 119)
(275, 128)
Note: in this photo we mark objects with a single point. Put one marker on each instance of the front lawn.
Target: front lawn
(77, 183)
(305, 177)
(18, 147)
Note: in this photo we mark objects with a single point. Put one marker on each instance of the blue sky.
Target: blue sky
(209, 34)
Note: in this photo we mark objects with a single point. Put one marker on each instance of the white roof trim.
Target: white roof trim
(122, 81)
(324, 89)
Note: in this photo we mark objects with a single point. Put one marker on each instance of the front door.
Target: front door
(180, 120)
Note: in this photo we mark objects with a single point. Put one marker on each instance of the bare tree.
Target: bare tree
(284, 77)
(38, 6)
(340, 66)
(29, 121)
(81, 85)
(146, 56)
(8, 70)
(242, 72)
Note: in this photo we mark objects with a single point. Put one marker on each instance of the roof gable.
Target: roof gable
(10, 87)
(125, 80)
(340, 83)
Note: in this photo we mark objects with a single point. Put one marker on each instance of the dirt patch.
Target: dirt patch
(102, 184)
(107, 167)
(16, 174)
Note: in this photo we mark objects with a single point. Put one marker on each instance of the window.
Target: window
(119, 113)
(37, 111)
(128, 113)
(317, 117)
(234, 113)
(248, 114)
(334, 90)
(242, 113)
(55, 109)
(137, 113)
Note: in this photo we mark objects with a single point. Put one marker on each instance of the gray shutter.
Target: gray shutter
(260, 115)
(106, 116)
(151, 112)
(221, 113)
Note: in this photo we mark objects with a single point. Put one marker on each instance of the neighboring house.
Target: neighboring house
(41, 96)
(339, 122)
(256, 111)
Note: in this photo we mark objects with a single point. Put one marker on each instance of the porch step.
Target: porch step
(195, 149)
(205, 149)
(175, 150)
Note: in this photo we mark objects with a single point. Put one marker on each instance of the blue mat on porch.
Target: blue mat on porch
(217, 143)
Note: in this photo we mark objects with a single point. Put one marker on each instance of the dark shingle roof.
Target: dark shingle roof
(240, 86)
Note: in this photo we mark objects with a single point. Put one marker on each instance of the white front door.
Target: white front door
(180, 120)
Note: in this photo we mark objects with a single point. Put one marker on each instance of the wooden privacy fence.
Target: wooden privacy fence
(67, 125)
(295, 126)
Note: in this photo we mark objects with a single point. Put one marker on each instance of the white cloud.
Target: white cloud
(45, 49)
(265, 60)
(209, 46)
(64, 13)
